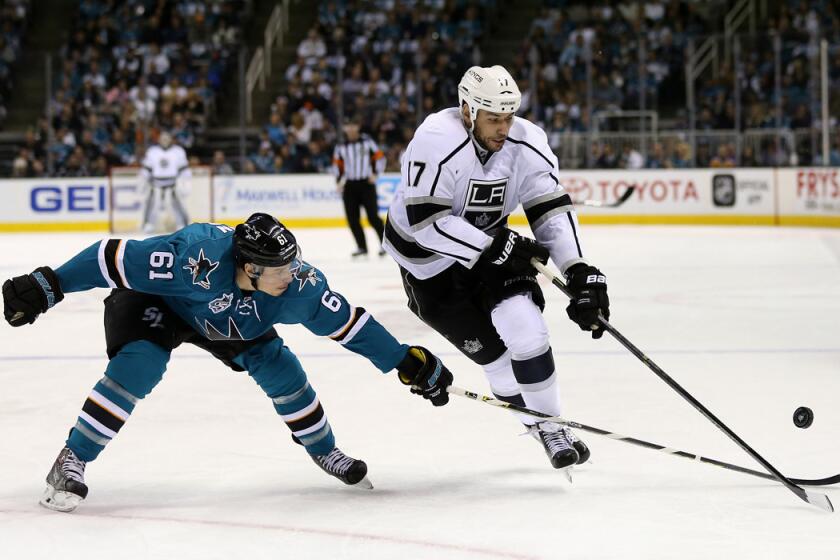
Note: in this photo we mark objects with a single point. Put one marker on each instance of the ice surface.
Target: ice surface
(744, 318)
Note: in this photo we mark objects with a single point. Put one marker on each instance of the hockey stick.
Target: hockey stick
(600, 204)
(819, 500)
(453, 390)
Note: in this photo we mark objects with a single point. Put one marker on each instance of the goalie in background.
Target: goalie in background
(165, 176)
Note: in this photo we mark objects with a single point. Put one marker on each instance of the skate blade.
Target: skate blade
(364, 483)
(59, 500)
(567, 472)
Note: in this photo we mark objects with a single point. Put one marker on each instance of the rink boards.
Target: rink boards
(755, 196)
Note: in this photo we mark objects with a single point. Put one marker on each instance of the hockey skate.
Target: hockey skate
(580, 447)
(559, 449)
(347, 469)
(66, 486)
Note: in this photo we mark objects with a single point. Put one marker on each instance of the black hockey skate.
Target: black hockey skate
(559, 449)
(345, 468)
(580, 447)
(66, 486)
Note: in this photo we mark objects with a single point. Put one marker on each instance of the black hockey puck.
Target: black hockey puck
(803, 417)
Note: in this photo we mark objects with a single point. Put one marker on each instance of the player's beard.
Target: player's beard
(485, 142)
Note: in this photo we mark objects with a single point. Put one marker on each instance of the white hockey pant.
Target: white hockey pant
(157, 202)
(524, 373)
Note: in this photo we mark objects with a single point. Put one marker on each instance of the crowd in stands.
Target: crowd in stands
(607, 36)
(130, 69)
(381, 52)
(14, 16)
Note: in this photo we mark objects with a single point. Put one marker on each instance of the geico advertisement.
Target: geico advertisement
(83, 199)
(664, 191)
(813, 191)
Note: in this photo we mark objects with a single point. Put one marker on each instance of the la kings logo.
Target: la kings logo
(485, 204)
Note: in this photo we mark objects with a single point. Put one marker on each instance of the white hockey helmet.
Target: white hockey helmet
(492, 89)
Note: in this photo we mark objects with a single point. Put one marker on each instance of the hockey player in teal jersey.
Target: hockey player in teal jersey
(223, 290)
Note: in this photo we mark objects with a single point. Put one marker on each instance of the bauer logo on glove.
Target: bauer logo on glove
(589, 300)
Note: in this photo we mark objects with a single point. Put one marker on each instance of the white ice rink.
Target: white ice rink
(744, 318)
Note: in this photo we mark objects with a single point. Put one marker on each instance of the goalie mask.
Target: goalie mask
(263, 241)
(491, 89)
(165, 140)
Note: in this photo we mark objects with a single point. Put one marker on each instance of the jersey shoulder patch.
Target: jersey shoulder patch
(204, 256)
(307, 281)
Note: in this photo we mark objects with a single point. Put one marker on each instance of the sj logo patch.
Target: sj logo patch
(201, 269)
(485, 203)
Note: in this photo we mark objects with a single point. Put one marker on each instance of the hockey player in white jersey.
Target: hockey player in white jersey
(470, 277)
(165, 174)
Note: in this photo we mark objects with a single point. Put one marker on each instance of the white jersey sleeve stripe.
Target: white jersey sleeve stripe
(103, 267)
(121, 264)
(355, 329)
(336, 333)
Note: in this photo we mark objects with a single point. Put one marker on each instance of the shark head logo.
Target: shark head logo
(304, 273)
(201, 269)
(251, 232)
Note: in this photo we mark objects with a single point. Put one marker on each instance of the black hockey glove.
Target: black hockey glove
(426, 374)
(513, 252)
(589, 297)
(25, 297)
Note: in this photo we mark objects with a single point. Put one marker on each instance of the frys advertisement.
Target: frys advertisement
(809, 196)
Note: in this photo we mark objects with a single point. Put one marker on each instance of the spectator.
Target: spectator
(220, 164)
(748, 157)
(631, 158)
(312, 48)
(275, 130)
(263, 159)
(606, 158)
(20, 165)
(656, 158)
(724, 158)
(682, 156)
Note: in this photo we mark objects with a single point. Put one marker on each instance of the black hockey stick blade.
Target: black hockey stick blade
(827, 481)
(599, 204)
(818, 500)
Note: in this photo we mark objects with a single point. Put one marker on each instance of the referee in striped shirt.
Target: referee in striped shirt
(356, 163)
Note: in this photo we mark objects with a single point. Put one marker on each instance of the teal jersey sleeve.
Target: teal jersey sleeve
(328, 313)
(150, 265)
